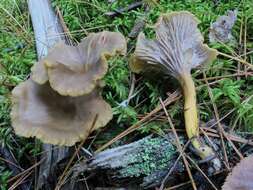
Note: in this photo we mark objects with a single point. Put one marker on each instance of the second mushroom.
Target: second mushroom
(177, 49)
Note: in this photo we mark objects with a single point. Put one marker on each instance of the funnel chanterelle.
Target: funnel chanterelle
(177, 49)
(61, 100)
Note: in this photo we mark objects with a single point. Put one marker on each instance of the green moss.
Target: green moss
(17, 54)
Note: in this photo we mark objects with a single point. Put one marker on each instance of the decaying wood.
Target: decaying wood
(145, 162)
(139, 24)
(46, 26)
(48, 31)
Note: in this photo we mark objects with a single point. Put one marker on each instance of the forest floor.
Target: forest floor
(224, 87)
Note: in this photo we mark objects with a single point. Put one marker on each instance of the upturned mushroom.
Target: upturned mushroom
(177, 49)
(75, 70)
(59, 103)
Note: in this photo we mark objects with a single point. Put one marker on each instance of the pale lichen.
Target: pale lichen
(153, 155)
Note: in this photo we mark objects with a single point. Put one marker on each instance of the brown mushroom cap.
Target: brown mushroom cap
(75, 70)
(178, 46)
(40, 111)
(241, 177)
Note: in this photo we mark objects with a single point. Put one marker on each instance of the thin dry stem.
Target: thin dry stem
(8, 161)
(25, 171)
(236, 59)
(220, 128)
(198, 168)
(178, 186)
(61, 179)
(228, 76)
(213, 133)
(69, 37)
(179, 147)
(173, 167)
(245, 43)
(219, 124)
(20, 180)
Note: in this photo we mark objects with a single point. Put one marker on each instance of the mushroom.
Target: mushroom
(177, 49)
(75, 70)
(59, 103)
(241, 177)
(40, 111)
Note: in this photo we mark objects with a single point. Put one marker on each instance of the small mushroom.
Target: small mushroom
(40, 111)
(241, 177)
(177, 49)
(75, 70)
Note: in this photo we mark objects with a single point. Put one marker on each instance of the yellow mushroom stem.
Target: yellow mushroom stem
(191, 116)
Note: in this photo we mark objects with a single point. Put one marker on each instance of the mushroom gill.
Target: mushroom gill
(75, 70)
(177, 48)
(40, 111)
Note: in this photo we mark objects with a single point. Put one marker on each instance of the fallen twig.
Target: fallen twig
(61, 179)
(198, 168)
(125, 9)
(179, 147)
(173, 167)
(172, 98)
(12, 165)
